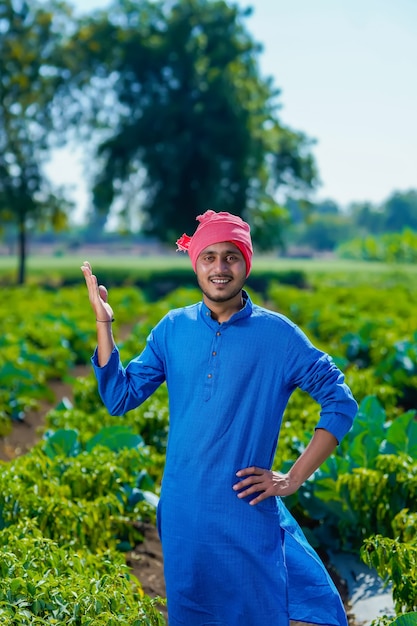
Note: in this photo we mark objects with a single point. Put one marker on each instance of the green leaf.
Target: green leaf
(408, 619)
(62, 442)
(9, 372)
(116, 438)
(401, 436)
(144, 481)
(371, 417)
(364, 449)
(16, 585)
(64, 404)
(151, 498)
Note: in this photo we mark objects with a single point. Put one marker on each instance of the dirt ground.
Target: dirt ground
(146, 559)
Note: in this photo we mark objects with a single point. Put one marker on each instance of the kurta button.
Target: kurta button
(209, 375)
(214, 353)
(218, 333)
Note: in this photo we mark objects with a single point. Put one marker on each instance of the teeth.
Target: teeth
(221, 282)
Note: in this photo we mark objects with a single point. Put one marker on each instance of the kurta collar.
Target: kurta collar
(246, 311)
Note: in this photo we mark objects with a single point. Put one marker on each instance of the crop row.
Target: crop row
(86, 486)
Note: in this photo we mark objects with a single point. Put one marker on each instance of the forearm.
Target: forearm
(321, 446)
(105, 342)
(103, 313)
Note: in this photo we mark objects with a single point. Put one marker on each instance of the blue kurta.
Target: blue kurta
(228, 563)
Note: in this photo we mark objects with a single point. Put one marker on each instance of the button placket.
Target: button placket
(212, 366)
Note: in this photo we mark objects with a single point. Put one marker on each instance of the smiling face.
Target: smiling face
(221, 273)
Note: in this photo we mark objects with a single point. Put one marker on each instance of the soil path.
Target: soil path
(146, 559)
(26, 433)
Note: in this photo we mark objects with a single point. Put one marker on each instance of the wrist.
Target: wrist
(295, 478)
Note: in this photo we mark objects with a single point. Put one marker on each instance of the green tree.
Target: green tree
(327, 207)
(367, 218)
(319, 226)
(324, 231)
(192, 125)
(394, 215)
(29, 79)
(400, 211)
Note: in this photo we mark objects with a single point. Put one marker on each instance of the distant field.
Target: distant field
(42, 263)
(159, 275)
(56, 263)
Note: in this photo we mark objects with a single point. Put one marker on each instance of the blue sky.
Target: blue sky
(347, 73)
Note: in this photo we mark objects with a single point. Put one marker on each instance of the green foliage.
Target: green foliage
(191, 123)
(44, 341)
(361, 231)
(361, 381)
(83, 496)
(94, 476)
(86, 491)
(322, 231)
(409, 619)
(400, 211)
(398, 247)
(397, 562)
(371, 497)
(399, 369)
(268, 222)
(386, 232)
(404, 526)
(43, 582)
(371, 477)
(88, 417)
(20, 387)
(30, 76)
(393, 361)
(405, 619)
(397, 213)
(361, 326)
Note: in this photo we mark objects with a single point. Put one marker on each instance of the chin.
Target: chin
(221, 296)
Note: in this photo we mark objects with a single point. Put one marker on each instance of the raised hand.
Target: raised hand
(98, 295)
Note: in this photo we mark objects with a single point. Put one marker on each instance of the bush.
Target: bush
(43, 582)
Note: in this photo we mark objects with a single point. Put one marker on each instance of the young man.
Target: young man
(233, 555)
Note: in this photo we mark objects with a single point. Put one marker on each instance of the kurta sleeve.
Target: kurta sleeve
(314, 371)
(123, 389)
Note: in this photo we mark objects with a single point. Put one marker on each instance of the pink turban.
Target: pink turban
(216, 228)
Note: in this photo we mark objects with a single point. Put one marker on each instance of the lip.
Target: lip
(220, 281)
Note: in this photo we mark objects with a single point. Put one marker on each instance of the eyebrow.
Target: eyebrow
(234, 251)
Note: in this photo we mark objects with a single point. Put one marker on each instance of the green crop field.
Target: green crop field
(90, 466)
(68, 266)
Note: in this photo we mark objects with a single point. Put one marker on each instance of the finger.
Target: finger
(103, 293)
(247, 482)
(250, 491)
(91, 280)
(247, 489)
(259, 498)
(248, 471)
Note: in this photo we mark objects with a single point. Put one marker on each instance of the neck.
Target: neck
(223, 311)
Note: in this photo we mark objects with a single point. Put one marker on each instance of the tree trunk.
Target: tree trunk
(21, 250)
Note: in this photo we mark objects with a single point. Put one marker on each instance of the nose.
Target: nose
(221, 265)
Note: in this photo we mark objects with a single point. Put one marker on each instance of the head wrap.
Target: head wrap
(216, 228)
